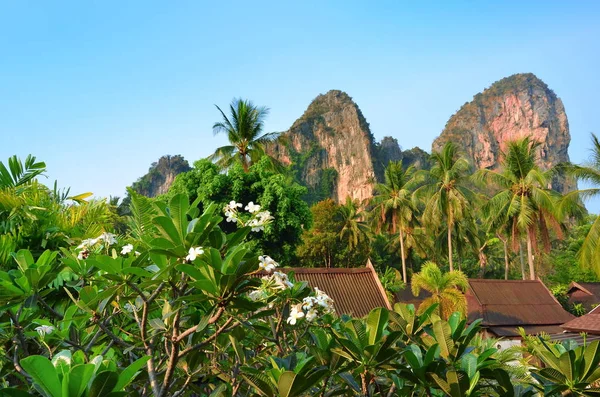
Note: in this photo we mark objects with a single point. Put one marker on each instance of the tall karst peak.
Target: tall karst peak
(516, 106)
(330, 148)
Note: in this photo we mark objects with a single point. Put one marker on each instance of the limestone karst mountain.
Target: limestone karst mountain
(511, 108)
(333, 152)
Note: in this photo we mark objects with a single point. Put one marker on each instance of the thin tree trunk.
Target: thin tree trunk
(450, 240)
(506, 263)
(522, 260)
(403, 256)
(530, 257)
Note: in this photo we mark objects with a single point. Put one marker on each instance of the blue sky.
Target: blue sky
(101, 89)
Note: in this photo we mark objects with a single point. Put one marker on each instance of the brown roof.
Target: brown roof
(589, 323)
(406, 296)
(354, 291)
(587, 294)
(508, 304)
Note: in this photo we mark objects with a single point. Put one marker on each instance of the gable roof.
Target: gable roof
(588, 323)
(355, 291)
(505, 305)
(587, 294)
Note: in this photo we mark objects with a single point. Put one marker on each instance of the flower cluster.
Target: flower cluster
(257, 222)
(106, 239)
(266, 263)
(271, 284)
(319, 304)
(193, 253)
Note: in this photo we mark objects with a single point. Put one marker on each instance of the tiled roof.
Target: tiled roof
(589, 323)
(504, 305)
(587, 294)
(514, 303)
(355, 291)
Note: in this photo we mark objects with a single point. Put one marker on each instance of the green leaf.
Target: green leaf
(376, 322)
(286, 383)
(43, 374)
(12, 392)
(79, 378)
(103, 384)
(129, 373)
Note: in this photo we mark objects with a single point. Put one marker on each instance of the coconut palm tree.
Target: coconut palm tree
(244, 129)
(446, 289)
(445, 193)
(589, 173)
(354, 229)
(523, 203)
(394, 206)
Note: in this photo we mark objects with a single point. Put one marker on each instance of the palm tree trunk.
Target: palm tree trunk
(403, 257)
(530, 257)
(522, 260)
(505, 259)
(450, 240)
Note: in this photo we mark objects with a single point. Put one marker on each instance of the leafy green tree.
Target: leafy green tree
(446, 289)
(394, 206)
(589, 173)
(524, 203)
(260, 185)
(446, 193)
(322, 245)
(244, 129)
(18, 174)
(354, 227)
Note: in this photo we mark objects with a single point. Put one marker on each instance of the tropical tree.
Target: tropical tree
(523, 203)
(446, 194)
(589, 173)
(354, 228)
(17, 173)
(394, 206)
(446, 289)
(244, 129)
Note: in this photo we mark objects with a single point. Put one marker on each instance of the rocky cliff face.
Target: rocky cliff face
(331, 149)
(511, 108)
(161, 175)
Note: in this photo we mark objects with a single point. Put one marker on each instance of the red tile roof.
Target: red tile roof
(355, 291)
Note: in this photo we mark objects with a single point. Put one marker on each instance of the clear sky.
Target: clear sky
(101, 89)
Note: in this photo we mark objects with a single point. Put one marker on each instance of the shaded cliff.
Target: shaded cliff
(330, 148)
(511, 108)
(161, 175)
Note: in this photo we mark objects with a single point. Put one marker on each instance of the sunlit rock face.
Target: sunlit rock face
(514, 107)
(331, 147)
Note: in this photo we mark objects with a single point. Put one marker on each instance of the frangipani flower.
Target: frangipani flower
(295, 314)
(126, 249)
(83, 254)
(193, 253)
(252, 208)
(44, 330)
(266, 263)
(108, 238)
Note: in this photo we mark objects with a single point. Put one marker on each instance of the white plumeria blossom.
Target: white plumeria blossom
(230, 211)
(83, 254)
(257, 295)
(311, 315)
(108, 238)
(319, 303)
(87, 243)
(266, 263)
(281, 281)
(252, 208)
(44, 330)
(126, 249)
(193, 253)
(295, 314)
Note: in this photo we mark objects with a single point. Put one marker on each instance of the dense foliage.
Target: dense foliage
(177, 309)
(260, 185)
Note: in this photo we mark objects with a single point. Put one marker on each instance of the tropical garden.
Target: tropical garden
(182, 294)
